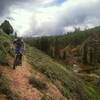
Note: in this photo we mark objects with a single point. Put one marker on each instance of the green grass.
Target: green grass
(5, 52)
(40, 85)
(46, 97)
(3, 59)
(5, 88)
(5, 41)
(97, 72)
(70, 84)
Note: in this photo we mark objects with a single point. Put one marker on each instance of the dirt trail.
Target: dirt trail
(21, 86)
(2, 97)
(19, 82)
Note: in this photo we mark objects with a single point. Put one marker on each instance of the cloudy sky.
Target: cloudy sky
(49, 17)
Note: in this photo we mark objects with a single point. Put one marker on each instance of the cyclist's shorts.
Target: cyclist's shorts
(18, 50)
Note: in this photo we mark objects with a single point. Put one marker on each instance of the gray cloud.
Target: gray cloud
(6, 4)
(81, 14)
(78, 14)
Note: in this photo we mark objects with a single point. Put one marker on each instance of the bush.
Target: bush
(46, 97)
(3, 59)
(37, 83)
(4, 87)
(6, 27)
(4, 49)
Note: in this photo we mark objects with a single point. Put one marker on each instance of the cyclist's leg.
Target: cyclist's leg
(16, 61)
(20, 59)
(14, 65)
(21, 55)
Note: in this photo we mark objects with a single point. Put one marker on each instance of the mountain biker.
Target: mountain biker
(19, 47)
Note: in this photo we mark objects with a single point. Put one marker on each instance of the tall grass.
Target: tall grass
(70, 84)
(5, 41)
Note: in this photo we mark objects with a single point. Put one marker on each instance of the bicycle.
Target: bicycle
(17, 60)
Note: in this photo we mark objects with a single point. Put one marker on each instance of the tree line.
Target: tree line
(62, 46)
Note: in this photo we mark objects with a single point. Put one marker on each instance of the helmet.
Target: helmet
(19, 38)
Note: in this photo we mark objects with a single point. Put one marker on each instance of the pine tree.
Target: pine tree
(6, 27)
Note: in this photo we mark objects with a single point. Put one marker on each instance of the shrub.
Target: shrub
(4, 50)
(6, 27)
(4, 87)
(46, 97)
(37, 83)
(3, 59)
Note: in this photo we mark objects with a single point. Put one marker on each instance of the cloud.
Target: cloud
(57, 19)
(5, 5)
(49, 17)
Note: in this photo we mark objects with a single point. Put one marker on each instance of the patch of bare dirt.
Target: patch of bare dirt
(20, 84)
(2, 97)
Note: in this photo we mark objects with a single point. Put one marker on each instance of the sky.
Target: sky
(49, 17)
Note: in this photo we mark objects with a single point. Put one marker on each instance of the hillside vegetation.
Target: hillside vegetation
(67, 82)
(80, 46)
(5, 52)
(78, 51)
(4, 47)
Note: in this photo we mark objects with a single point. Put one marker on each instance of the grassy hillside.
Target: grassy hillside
(70, 84)
(5, 41)
(67, 82)
(14, 82)
(4, 47)
(5, 88)
(79, 47)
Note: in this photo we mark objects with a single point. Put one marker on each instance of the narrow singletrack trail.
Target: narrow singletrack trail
(20, 85)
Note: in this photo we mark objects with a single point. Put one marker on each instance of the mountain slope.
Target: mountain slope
(42, 79)
(19, 87)
(19, 82)
(66, 81)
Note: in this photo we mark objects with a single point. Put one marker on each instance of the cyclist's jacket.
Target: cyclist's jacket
(19, 45)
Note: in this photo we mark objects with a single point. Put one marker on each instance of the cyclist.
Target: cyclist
(19, 48)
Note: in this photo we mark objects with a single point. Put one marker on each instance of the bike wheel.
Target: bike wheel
(15, 62)
(14, 65)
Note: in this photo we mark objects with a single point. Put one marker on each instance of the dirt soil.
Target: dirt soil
(20, 85)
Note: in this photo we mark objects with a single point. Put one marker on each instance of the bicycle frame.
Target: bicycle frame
(17, 60)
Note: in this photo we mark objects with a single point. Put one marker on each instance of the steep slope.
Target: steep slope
(20, 83)
(42, 79)
(15, 84)
(5, 90)
(65, 80)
